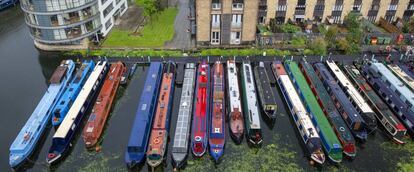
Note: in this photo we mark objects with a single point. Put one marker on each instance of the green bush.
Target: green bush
(289, 28)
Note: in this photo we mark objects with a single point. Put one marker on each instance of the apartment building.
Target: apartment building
(69, 22)
(226, 22)
(233, 22)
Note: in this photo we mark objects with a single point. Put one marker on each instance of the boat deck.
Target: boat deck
(267, 96)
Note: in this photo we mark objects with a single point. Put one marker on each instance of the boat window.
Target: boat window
(70, 89)
(148, 88)
(62, 102)
(143, 107)
(92, 117)
(232, 70)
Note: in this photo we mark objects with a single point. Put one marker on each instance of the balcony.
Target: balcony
(215, 25)
(73, 32)
(236, 25)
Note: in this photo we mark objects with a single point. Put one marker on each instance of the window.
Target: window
(108, 24)
(392, 7)
(338, 7)
(356, 8)
(235, 38)
(236, 20)
(108, 10)
(215, 5)
(336, 19)
(281, 7)
(215, 20)
(237, 6)
(215, 37)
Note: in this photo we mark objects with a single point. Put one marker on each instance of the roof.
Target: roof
(143, 118)
(391, 79)
(73, 112)
(298, 106)
(312, 106)
(266, 93)
(250, 94)
(337, 91)
(333, 115)
(233, 87)
(402, 75)
(351, 90)
(182, 130)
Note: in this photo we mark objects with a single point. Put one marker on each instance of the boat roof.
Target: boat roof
(312, 105)
(146, 106)
(339, 94)
(184, 112)
(73, 112)
(327, 103)
(267, 96)
(349, 88)
(392, 80)
(60, 72)
(370, 93)
(40, 114)
(251, 96)
(233, 86)
(402, 75)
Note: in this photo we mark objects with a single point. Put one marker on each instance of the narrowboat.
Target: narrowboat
(235, 112)
(330, 142)
(126, 76)
(70, 94)
(61, 141)
(402, 75)
(28, 137)
(403, 92)
(161, 124)
(266, 96)
(391, 124)
(338, 124)
(182, 130)
(348, 112)
(140, 131)
(217, 131)
(354, 96)
(100, 111)
(306, 129)
(199, 126)
(250, 106)
(391, 97)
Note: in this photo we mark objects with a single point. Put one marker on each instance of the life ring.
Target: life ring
(341, 129)
(156, 141)
(197, 138)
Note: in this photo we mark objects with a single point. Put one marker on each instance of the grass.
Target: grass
(154, 34)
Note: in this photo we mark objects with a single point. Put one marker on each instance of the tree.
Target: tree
(149, 6)
(318, 46)
(352, 21)
(330, 35)
(409, 26)
(347, 47)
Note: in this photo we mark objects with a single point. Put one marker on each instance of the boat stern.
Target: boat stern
(216, 152)
(178, 159)
(361, 135)
(198, 148)
(132, 159)
(15, 160)
(53, 157)
(154, 160)
(350, 150)
(318, 157)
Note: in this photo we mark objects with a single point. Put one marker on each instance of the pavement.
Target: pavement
(182, 37)
(131, 20)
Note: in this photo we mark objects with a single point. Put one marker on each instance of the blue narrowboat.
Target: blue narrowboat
(140, 132)
(348, 112)
(61, 141)
(7, 3)
(391, 98)
(29, 135)
(70, 94)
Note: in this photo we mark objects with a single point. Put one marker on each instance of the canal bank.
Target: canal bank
(25, 73)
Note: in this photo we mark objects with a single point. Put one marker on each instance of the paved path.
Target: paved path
(182, 38)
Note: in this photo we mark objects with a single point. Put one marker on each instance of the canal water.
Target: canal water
(24, 74)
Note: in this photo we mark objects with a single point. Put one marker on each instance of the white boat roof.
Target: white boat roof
(182, 129)
(402, 75)
(233, 86)
(251, 96)
(303, 117)
(352, 91)
(68, 121)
